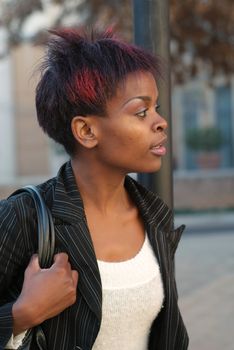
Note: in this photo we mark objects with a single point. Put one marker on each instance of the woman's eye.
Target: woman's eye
(157, 107)
(142, 113)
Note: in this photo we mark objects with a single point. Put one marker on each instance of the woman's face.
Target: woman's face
(132, 136)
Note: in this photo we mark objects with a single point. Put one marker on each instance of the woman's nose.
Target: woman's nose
(160, 124)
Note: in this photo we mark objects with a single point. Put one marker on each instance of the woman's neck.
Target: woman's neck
(101, 189)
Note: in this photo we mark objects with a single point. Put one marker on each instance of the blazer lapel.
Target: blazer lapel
(72, 230)
(158, 221)
(158, 218)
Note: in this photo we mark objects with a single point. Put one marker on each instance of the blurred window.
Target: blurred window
(225, 123)
(190, 107)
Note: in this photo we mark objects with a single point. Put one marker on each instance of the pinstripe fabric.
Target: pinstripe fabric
(78, 325)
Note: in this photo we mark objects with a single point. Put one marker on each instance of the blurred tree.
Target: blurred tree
(16, 15)
(202, 31)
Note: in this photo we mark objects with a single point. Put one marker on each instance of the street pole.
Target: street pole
(152, 31)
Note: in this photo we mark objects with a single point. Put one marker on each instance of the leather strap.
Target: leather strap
(45, 226)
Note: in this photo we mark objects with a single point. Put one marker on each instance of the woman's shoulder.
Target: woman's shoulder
(20, 203)
(18, 219)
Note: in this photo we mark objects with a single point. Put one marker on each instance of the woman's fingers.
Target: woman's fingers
(60, 259)
(47, 292)
(33, 266)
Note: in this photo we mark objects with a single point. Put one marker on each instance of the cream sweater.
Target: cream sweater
(132, 298)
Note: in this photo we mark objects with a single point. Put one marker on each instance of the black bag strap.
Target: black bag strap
(45, 226)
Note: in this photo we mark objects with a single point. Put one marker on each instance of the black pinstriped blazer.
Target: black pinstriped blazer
(78, 326)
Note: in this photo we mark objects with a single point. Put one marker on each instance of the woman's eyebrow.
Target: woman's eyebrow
(143, 98)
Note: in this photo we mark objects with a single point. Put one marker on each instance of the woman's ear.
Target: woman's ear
(84, 131)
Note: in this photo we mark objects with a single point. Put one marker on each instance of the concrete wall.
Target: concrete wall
(7, 131)
(31, 145)
(204, 191)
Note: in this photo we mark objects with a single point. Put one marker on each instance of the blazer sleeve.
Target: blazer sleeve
(12, 254)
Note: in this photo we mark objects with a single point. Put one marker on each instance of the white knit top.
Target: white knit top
(132, 298)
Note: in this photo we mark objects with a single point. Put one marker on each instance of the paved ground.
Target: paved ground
(205, 279)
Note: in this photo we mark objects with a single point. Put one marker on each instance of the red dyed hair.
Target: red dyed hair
(80, 72)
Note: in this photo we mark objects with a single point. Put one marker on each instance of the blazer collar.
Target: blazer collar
(68, 204)
(153, 210)
(158, 218)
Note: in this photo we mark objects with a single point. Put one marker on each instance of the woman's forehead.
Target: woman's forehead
(136, 85)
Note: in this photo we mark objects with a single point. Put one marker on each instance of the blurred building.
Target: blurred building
(28, 156)
(204, 178)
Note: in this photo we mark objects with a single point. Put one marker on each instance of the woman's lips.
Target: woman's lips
(159, 150)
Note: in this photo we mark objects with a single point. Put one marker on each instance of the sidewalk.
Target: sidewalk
(205, 280)
(208, 315)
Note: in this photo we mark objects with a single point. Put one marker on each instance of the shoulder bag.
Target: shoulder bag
(46, 247)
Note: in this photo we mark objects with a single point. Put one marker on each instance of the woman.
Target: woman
(112, 283)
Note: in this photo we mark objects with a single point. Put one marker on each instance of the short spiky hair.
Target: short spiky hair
(80, 72)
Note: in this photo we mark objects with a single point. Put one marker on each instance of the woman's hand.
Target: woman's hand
(45, 292)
